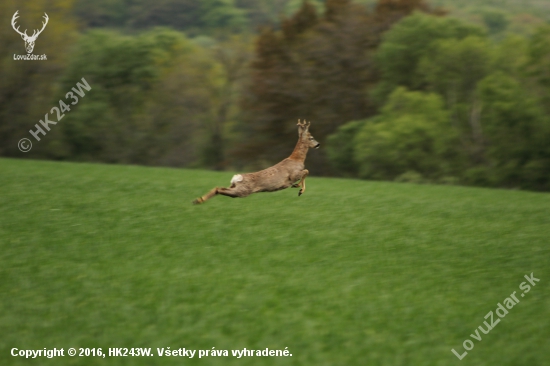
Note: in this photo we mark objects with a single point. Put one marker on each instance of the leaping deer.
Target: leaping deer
(288, 173)
(29, 41)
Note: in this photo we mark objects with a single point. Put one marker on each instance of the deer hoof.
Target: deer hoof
(300, 193)
(198, 201)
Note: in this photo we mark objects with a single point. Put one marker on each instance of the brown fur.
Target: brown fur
(290, 172)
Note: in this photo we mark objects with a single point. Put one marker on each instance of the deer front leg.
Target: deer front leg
(302, 183)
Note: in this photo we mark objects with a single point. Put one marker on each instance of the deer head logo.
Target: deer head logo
(29, 41)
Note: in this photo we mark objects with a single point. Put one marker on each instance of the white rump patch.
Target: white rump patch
(236, 179)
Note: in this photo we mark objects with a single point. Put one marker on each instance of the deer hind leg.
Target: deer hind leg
(230, 192)
(206, 197)
(302, 183)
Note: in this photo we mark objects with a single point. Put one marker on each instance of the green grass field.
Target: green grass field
(351, 273)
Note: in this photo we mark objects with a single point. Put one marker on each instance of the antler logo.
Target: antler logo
(29, 41)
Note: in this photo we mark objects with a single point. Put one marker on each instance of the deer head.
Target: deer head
(29, 41)
(305, 136)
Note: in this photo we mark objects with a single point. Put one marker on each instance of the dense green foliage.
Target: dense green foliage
(143, 87)
(499, 16)
(497, 129)
(408, 51)
(215, 15)
(350, 273)
(411, 135)
(190, 15)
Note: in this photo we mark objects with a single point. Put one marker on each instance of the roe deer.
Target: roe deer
(288, 173)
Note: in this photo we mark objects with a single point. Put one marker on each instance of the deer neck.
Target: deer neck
(300, 151)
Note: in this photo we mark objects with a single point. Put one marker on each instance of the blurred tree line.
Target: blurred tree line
(396, 89)
(455, 108)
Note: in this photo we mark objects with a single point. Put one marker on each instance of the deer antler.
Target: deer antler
(15, 16)
(43, 26)
(304, 124)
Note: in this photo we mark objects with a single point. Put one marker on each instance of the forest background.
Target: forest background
(447, 92)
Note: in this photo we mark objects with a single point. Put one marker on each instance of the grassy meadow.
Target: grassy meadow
(351, 273)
